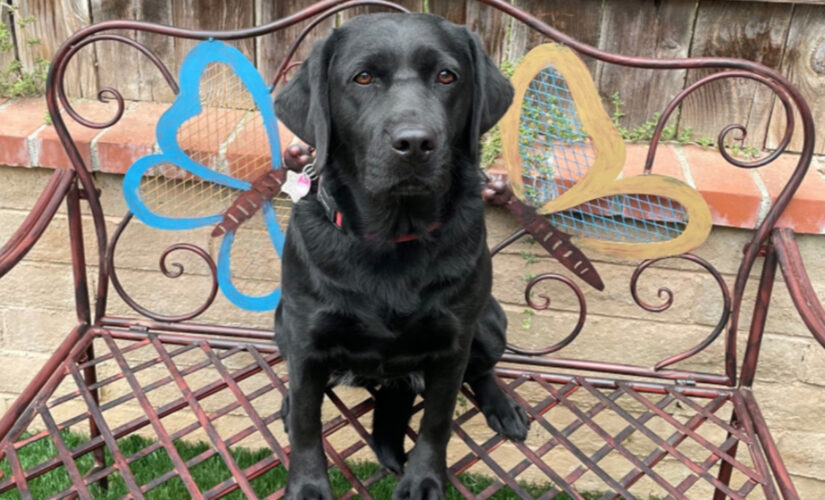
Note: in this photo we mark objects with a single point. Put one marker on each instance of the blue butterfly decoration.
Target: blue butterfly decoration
(187, 105)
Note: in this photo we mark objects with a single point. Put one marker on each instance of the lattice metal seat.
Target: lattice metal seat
(134, 404)
(228, 394)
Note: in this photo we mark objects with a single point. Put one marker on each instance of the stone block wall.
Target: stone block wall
(36, 311)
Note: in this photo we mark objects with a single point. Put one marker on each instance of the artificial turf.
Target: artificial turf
(211, 472)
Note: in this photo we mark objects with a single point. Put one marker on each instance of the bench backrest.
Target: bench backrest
(242, 151)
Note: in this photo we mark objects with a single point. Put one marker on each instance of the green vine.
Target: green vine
(644, 132)
(527, 319)
(15, 80)
(491, 141)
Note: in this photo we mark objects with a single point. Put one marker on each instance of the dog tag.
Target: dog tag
(296, 185)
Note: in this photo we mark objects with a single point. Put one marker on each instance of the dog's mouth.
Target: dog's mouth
(411, 188)
(384, 178)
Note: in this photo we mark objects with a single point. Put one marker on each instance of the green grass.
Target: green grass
(212, 471)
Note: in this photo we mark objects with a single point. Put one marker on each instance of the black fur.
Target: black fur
(359, 307)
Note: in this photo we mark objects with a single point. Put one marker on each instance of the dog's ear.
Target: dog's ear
(492, 92)
(303, 104)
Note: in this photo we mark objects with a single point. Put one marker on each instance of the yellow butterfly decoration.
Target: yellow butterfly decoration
(564, 158)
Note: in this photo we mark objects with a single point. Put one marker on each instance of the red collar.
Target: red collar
(338, 220)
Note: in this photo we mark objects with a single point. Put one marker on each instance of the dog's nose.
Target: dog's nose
(413, 143)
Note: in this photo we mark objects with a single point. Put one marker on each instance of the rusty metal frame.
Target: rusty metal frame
(722, 400)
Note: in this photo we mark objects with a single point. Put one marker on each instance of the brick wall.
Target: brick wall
(36, 312)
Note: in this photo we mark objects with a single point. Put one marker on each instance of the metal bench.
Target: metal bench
(178, 376)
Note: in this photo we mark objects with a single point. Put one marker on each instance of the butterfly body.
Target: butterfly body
(556, 242)
(264, 188)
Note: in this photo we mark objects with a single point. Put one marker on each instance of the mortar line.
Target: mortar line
(765, 203)
(93, 145)
(683, 162)
(33, 146)
(819, 166)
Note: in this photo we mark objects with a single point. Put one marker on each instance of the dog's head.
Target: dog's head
(401, 99)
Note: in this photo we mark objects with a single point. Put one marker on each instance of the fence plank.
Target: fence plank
(735, 29)
(272, 48)
(141, 81)
(644, 28)
(212, 15)
(454, 10)
(811, 2)
(493, 26)
(581, 20)
(7, 56)
(411, 5)
(110, 55)
(152, 86)
(804, 65)
(53, 21)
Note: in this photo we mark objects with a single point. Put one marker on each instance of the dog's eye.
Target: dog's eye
(446, 76)
(363, 78)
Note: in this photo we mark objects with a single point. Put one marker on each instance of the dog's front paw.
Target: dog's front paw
(507, 418)
(319, 490)
(418, 487)
(391, 457)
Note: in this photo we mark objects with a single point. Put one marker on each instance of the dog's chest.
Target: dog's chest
(386, 348)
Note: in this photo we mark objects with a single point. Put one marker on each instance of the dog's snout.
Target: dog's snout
(414, 144)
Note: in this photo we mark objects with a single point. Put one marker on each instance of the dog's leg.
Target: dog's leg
(285, 412)
(502, 413)
(393, 408)
(425, 477)
(308, 478)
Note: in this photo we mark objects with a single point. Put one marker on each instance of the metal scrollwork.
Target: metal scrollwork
(725, 137)
(170, 270)
(106, 94)
(667, 294)
(528, 297)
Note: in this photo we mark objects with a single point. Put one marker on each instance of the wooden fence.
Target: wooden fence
(783, 35)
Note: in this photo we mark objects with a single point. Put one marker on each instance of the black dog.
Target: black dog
(386, 272)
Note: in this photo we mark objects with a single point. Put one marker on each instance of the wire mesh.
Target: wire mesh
(556, 152)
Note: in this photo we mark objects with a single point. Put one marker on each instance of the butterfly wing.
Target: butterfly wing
(245, 271)
(563, 157)
(216, 139)
(556, 138)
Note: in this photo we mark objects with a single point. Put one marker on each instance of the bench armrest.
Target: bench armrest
(799, 284)
(36, 222)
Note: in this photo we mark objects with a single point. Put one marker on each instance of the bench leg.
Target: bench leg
(84, 315)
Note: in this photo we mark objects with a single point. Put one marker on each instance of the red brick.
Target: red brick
(247, 156)
(806, 211)
(133, 137)
(730, 192)
(17, 122)
(286, 136)
(665, 163)
(248, 153)
(201, 136)
(50, 151)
